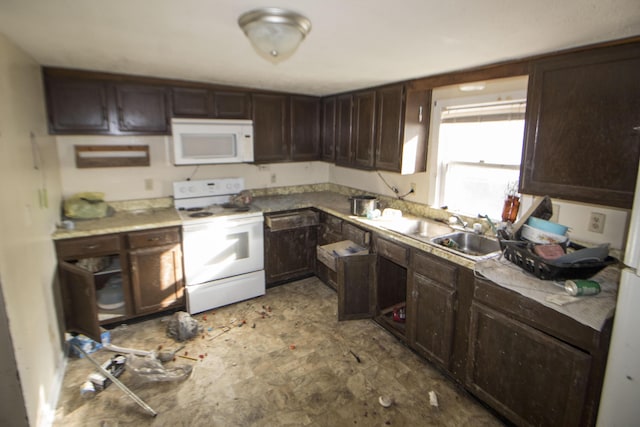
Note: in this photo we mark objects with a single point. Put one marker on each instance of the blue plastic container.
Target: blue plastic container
(549, 226)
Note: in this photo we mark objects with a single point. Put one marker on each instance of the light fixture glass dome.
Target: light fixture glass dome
(274, 33)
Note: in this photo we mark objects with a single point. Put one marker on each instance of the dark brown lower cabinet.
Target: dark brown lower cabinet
(114, 277)
(356, 276)
(290, 245)
(432, 307)
(532, 364)
(531, 377)
(431, 317)
(391, 285)
(155, 259)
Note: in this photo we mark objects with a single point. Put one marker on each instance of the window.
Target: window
(479, 147)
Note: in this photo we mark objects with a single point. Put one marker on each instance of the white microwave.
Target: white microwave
(211, 141)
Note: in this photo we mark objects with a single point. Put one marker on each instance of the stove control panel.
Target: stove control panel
(209, 187)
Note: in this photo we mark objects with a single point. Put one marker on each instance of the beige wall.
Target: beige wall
(132, 182)
(129, 183)
(27, 218)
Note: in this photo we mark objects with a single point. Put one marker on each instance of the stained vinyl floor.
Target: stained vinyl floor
(292, 366)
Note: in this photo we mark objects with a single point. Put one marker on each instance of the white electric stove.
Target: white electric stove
(223, 243)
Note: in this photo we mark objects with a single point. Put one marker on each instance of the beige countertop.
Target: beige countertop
(157, 213)
(339, 206)
(128, 216)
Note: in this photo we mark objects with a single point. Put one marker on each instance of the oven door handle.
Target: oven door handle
(237, 222)
(229, 223)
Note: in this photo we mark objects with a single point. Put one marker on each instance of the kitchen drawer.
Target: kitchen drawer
(289, 220)
(329, 254)
(392, 251)
(355, 234)
(85, 247)
(535, 314)
(156, 237)
(434, 268)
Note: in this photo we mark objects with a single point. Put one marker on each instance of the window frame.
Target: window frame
(447, 98)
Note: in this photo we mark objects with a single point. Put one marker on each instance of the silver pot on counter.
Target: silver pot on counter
(361, 205)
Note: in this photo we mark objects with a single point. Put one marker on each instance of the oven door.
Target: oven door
(222, 247)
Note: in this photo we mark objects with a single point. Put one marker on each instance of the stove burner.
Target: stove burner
(200, 214)
(194, 209)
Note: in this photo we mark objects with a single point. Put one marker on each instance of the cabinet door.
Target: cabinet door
(415, 136)
(364, 129)
(232, 105)
(582, 127)
(530, 377)
(305, 128)
(156, 278)
(356, 287)
(191, 102)
(77, 106)
(270, 134)
(142, 108)
(289, 254)
(77, 289)
(431, 318)
(328, 129)
(388, 128)
(344, 117)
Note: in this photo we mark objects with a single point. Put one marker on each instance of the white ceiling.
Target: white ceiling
(352, 44)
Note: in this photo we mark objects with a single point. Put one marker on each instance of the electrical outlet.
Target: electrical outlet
(413, 186)
(273, 178)
(148, 184)
(596, 222)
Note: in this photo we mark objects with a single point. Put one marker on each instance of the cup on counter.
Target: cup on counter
(67, 224)
(373, 214)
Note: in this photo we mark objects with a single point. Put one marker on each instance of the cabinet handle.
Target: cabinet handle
(92, 246)
(153, 239)
(420, 114)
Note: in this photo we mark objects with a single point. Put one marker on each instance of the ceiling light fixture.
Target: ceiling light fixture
(274, 33)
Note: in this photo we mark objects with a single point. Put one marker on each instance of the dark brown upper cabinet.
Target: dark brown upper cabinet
(142, 108)
(402, 127)
(270, 134)
(206, 103)
(385, 129)
(328, 129)
(344, 120)
(286, 128)
(583, 128)
(231, 105)
(191, 102)
(415, 134)
(76, 105)
(389, 128)
(305, 128)
(364, 105)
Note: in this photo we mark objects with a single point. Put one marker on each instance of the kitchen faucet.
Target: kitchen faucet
(491, 224)
(460, 220)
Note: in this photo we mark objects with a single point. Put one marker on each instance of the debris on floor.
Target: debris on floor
(182, 326)
(168, 355)
(433, 399)
(385, 401)
(356, 356)
(149, 369)
(96, 381)
(87, 344)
